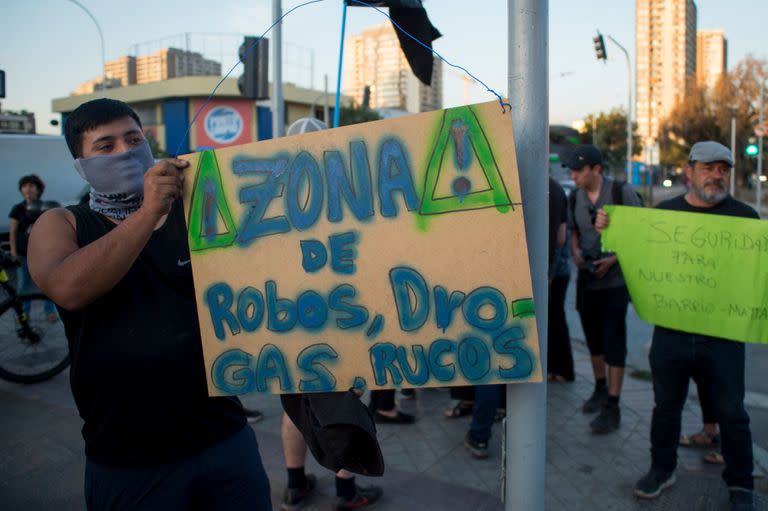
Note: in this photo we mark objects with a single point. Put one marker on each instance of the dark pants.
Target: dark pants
(603, 315)
(228, 476)
(463, 393)
(559, 355)
(705, 400)
(383, 400)
(718, 366)
(487, 399)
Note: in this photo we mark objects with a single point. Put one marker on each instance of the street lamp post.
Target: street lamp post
(733, 147)
(278, 106)
(101, 37)
(629, 107)
(760, 149)
(528, 64)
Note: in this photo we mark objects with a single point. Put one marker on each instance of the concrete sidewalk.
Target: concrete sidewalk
(41, 460)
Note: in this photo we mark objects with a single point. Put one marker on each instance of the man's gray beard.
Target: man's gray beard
(710, 198)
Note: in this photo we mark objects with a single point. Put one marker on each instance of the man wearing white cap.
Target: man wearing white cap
(718, 364)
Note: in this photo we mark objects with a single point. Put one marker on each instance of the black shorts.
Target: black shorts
(603, 315)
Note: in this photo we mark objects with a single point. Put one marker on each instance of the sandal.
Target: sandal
(400, 418)
(714, 458)
(701, 439)
(462, 409)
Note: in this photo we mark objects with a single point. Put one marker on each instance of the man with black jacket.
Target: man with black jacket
(719, 363)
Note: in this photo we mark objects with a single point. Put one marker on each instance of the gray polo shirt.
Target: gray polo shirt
(589, 238)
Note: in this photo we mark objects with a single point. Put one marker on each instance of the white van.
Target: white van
(44, 155)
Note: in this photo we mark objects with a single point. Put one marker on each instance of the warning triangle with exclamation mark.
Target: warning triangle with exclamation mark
(462, 173)
(210, 220)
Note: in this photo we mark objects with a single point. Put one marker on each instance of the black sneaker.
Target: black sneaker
(253, 415)
(478, 450)
(294, 498)
(653, 483)
(596, 401)
(741, 499)
(365, 498)
(607, 421)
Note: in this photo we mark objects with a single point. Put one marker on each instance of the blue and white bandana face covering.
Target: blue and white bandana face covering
(117, 180)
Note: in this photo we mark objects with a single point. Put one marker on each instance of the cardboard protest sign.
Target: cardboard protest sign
(704, 274)
(387, 254)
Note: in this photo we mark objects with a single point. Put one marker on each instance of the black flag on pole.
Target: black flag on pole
(412, 17)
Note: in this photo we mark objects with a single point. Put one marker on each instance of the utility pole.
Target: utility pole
(526, 423)
(278, 106)
(760, 149)
(733, 148)
(325, 103)
(103, 55)
(629, 106)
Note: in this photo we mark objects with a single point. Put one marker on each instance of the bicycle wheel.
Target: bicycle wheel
(32, 360)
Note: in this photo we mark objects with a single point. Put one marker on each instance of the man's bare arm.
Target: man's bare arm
(561, 231)
(74, 277)
(12, 237)
(578, 259)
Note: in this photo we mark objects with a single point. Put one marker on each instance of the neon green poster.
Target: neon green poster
(705, 274)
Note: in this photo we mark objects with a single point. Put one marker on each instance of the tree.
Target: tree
(355, 114)
(610, 136)
(154, 146)
(705, 114)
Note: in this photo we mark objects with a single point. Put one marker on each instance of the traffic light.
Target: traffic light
(254, 54)
(751, 149)
(600, 47)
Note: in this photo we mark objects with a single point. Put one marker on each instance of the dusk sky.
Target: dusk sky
(51, 46)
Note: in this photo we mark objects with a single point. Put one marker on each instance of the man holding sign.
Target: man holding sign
(601, 295)
(676, 355)
(119, 270)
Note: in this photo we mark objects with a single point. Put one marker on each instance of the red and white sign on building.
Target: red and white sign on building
(223, 123)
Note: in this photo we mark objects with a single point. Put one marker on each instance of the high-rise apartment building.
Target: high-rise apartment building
(160, 65)
(122, 69)
(173, 63)
(94, 85)
(711, 57)
(374, 59)
(666, 60)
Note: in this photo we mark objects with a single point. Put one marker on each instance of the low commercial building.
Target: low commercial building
(166, 109)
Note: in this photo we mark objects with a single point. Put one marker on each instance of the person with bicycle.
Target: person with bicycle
(22, 218)
(118, 269)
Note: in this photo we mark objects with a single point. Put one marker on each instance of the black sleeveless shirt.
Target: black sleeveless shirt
(137, 373)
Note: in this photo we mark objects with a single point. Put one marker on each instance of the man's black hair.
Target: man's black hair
(91, 115)
(34, 180)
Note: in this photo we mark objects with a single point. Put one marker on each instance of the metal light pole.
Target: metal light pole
(629, 107)
(325, 103)
(733, 148)
(526, 423)
(101, 38)
(278, 106)
(760, 150)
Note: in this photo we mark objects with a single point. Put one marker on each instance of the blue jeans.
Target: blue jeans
(227, 476)
(718, 367)
(487, 399)
(25, 285)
